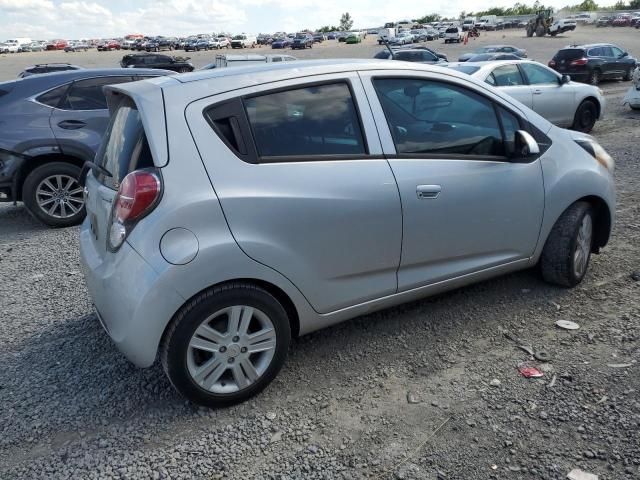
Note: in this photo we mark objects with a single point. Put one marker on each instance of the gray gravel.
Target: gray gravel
(429, 390)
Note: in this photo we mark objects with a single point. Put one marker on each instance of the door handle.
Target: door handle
(537, 92)
(428, 191)
(71, 124)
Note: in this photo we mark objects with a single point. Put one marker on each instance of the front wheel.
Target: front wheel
(226, 345)
(53, 195)
(566, 254)
(627, 75)
(594, 77)
(585, 117)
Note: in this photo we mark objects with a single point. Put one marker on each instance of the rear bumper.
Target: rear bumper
(134, 303)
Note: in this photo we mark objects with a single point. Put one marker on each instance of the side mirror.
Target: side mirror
(624, 54)
(526, 146)
(565, 79)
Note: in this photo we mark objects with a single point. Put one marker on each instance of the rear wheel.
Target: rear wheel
(529, 31)
(226, 345)
(53, 195)
(594, 77)
(585, 117)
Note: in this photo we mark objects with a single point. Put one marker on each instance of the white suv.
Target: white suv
(453, 35)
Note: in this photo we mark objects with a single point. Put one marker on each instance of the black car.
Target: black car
(51, 125)
(160, 43)
(604, 22)
(151, 60)
(384, 54)
(592, 63)
(520, 52)
(302, 41)
(490, 57)
(191, 45)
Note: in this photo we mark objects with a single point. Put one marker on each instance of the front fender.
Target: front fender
(571, 174)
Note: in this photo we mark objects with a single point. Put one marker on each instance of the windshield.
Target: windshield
(239, 37)
(124, 147)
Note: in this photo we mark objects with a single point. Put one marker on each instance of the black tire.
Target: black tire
(557, 260)
(594, 77)
(529, 32)
(627, 75)
(634, 108)
(585, 117)
(540, 31)
(29, 196)
(174, 349)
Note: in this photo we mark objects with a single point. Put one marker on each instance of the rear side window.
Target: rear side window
(317, 120)
(506, 76)
(53, 98)
(413, 56)
(88, 95)
(124, 146)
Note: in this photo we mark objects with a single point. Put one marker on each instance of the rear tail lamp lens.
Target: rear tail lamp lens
(137, 196)
(579, 61)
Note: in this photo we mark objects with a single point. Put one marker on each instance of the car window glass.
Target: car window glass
(507, 76)
(491, 80)
(616, 51)
(433, 117)
(319, 120)
(594, 52)
(538, 75)
(53, 97)
(606, 51)
(428, 57)
(88, 95)
(510, 125)
(276, 59)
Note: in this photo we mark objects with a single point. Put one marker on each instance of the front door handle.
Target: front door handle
(71, 124)
(428, 191)
(537, 92)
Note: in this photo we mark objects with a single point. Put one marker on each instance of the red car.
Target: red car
(622, 20)
(108, 45)
(57, 45)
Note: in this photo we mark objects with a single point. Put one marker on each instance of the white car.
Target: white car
(633, 94)
(220, 42)
(555, 97)
(9, 48)
(453, 35)
(402, 38)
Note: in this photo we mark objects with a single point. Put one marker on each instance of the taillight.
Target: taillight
(552, 63)
(137, 196)
(579, 61)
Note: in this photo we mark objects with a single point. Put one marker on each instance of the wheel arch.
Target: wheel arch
(35, 162)
(595, 101)
(602, 221)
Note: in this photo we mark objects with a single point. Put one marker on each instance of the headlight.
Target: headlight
(596, 151)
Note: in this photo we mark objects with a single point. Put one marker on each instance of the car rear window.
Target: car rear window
(452, 30)
(468, 69)
(124, 146)
(569, 54)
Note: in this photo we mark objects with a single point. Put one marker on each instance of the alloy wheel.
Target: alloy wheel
(60, 196)
(583, 246)
(231, 349)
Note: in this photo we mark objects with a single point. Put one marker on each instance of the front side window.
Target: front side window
(507, 76)
(317, 120)
(617, 52)
(427, 117)
(538, 75)
(88, 95)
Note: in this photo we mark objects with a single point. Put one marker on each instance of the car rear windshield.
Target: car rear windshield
(468, 69)
(124, 146)
(570, 54)
(452, 30)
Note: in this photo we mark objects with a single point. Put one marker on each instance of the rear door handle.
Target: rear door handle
(71, 124)
(428, 191)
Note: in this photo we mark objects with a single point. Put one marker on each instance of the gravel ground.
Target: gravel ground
(429, 390)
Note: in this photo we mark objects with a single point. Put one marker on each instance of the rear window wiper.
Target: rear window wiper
(88, 165)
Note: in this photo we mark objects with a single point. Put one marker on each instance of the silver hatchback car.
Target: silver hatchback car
(229, 210)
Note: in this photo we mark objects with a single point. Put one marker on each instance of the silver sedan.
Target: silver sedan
(563, 102)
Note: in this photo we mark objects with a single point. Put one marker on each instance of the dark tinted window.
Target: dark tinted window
(569, 54)
(124, 148)
(428, 57)
(406, 56)
(607, 52)
(432, 117)
(539, 75)
(595, 52)
(88, 95)
(319, 120)
(53, 97)
(616, 52)
(507, 76)
(384, 54)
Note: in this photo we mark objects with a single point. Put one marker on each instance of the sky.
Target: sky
(72, 19)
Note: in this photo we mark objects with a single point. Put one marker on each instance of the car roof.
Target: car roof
(588, 45)
(45, 81)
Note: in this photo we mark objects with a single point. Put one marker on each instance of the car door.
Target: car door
(81, 118)
(620, 64)
(552, 99)
(466, 206)
(509, 79)
(300, 175)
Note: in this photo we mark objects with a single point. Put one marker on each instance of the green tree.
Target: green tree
(346, 22)
(588, 6)
(634, 4)
(328, 28)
